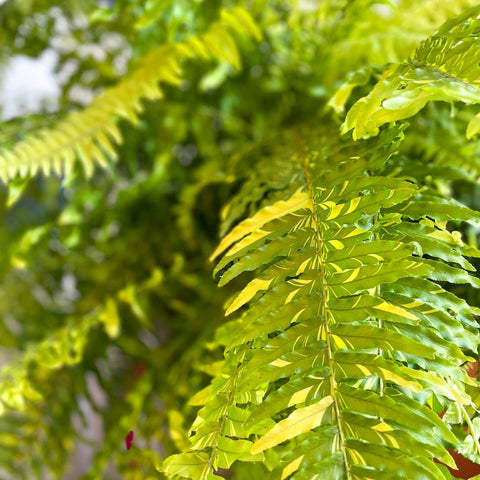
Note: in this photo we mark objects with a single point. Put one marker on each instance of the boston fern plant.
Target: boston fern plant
(348, 245)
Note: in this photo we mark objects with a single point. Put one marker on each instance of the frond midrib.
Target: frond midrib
(324, 304)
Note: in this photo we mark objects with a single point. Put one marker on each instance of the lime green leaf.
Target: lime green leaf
(300, 421)
(444, 67)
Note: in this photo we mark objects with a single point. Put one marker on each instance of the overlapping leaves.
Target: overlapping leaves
(443, 67)
(347, 337)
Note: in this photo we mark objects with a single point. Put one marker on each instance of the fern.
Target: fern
(92, 134)
(346, 337)
(351, 285)
(443, 67)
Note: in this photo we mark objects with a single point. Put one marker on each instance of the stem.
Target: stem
(324, 306)
(471, 428)
(379, 322)
(230, 399)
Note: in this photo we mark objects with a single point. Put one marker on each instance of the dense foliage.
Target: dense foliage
(324, 155)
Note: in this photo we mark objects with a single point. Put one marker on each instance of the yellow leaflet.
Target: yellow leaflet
(326, 205)
(382, 427)
(353, 205)
(297, 316)
(353, 233)
(291, 296)
(364, 370)
(454, 238)
(291, 467)
(245, 242)
(280, 363)
(240, 19)
(336, 267)
(356, 457)
(303, 266)
(279, 209)
(248, 293)
(393, 441)
(201, 397)
(352, 276)
(336, 244)
(110, 318)
(335, 212)
(300, 421)
(450, 391)
(339, 342)
(387, 307)
(300, 396)
(413, 304)
(390, 376)
(344, 187)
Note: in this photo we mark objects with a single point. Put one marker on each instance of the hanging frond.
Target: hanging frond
(92, 134)
(346, 337)
(60, 348)
(443, 67)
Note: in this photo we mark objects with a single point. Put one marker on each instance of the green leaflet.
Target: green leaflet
(397, 408)
(330, 468)
(442, 322)
(443, 67)
(313, 447)
(230, 450)
(443, 272)
(190, 465)
(437, 207)
(425, 291)
(371, 337)
(437, 242)
(298, 201)
(352, 365)
(378, 431)
(389, 460)
(263, 255)
(298, 390)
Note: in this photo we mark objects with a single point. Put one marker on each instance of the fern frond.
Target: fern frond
(62, 347)
(92, 134)
(443, 67)
(345, 338)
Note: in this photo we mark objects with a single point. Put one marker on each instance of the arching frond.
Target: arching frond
(443, 67)
(345, 337)
(92, 134)
(60, 348)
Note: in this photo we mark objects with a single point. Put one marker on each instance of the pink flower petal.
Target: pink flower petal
(129, 440)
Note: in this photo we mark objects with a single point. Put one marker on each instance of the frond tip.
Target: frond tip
(92, 134)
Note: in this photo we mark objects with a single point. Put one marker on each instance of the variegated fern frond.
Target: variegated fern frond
(443, 67)
(347, 339)
(91, 134)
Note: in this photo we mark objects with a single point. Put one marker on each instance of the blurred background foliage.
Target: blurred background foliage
(107, 300)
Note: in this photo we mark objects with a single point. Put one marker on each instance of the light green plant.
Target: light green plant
(347, 265)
